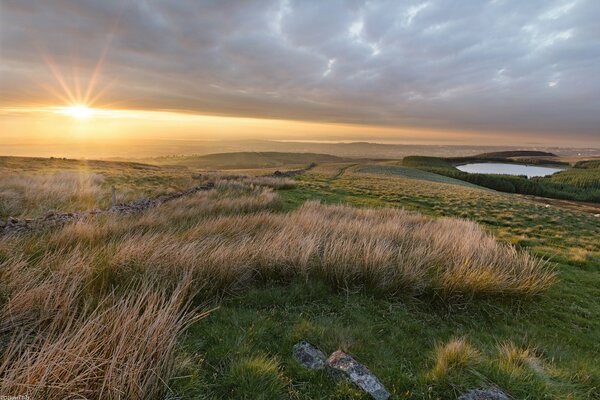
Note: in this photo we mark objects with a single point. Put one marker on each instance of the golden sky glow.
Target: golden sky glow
(61, 123)
(434, 73)
(77, 111)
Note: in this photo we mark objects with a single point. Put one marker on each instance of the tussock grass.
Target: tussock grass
(387, 251)
(29, 194)
(456, 354)
(94, 309)
(518, 361)
(272, 182)
(61, 346)
(257, 377)
(511, 355)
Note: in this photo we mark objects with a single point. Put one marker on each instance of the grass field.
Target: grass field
(31, 187)
(273, 270)
(581, 182)
(246, 160)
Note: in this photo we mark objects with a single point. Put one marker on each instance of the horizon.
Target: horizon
(494, 73)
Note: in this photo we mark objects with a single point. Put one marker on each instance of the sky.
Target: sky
(439, 71)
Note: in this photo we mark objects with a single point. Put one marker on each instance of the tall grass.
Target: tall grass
(456, 354)
(94, 309)
(386, 251)
(59, 343)
(32, 195)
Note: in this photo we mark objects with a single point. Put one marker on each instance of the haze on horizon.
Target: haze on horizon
(499, 72)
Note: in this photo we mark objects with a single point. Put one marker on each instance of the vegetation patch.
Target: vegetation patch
(581, 182)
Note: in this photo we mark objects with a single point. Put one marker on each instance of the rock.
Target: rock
(484, 394)
(309, 356)
(342, 365)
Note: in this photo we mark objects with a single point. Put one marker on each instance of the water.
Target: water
(507, 169)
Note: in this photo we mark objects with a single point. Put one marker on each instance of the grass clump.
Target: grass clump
(513, 358)
(256, 377)
(455, 355)
(386, 251)
(63, 346)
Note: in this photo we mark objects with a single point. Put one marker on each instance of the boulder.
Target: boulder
(484, 394)
(342, 365)
(309, 356)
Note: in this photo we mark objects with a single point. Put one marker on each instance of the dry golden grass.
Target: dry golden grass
(60, 345)
(456, 354)
(386, 251)
(94, 309)
(34, 194)
(518, 361)
(273, 182)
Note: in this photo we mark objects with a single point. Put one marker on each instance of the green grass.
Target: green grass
(585, 174)
(247, 160)
(243, 349)
(397, 338)
(579, 183)
(411, 173)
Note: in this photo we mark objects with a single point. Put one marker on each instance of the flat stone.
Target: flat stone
(484, 394)
(342, 365)
(309, 356)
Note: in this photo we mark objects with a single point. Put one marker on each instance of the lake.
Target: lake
(507, 169)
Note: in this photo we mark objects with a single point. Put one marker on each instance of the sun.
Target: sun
(78, 111)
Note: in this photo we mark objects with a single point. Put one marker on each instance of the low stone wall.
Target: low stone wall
(16, 226)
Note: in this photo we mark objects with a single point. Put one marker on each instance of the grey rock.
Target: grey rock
(309, 356)
(484, 394)
(342, 365)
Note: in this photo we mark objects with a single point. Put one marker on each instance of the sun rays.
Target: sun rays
(80, 90)
(78, 111)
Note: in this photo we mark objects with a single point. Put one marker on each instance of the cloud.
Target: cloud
(501, 65)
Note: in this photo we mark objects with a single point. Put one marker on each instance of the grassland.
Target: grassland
(386, 279)
(31, 187)
(579, 183)
(247, 160)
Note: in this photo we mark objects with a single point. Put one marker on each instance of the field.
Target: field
(436, 284)
(246, 160)
(580, 182)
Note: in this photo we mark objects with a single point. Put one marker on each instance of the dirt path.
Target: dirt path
(16, 226)
(341, 172)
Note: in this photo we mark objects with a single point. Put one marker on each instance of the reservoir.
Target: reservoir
(507, 169)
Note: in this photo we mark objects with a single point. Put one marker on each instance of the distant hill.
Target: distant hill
(534, 157)
(247, 160)
(54, 163)
(516, 153)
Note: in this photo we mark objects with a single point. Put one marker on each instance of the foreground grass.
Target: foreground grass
(397, 340)
(543, 348)
(203, 249)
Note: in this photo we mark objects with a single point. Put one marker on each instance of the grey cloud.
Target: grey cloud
(501, 65)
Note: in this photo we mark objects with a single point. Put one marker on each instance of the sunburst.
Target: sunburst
(77, 111)
(80, 102)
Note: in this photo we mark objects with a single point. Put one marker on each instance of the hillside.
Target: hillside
(515, 153)
(579, 183)
(438, 286)
(247, 160)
